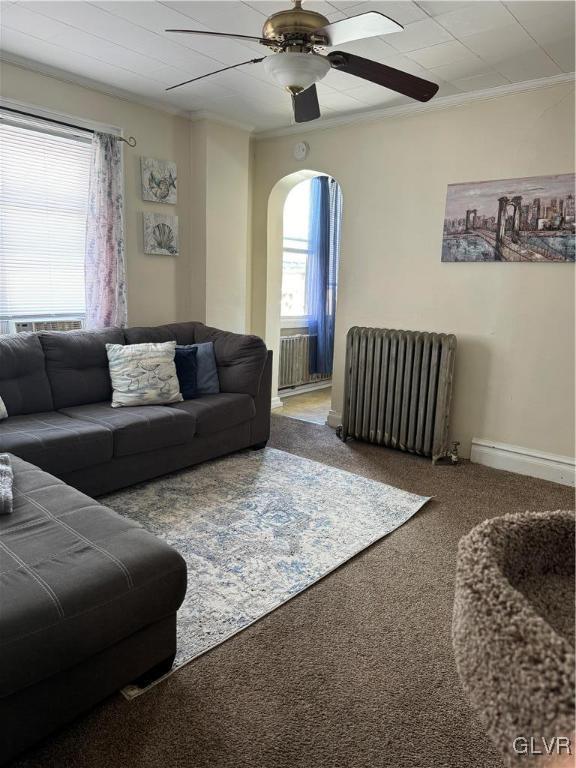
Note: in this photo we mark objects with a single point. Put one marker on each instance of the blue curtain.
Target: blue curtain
(322, 271)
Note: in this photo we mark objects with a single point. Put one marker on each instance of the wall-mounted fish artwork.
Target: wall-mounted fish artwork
(159, 180)
(160, 234)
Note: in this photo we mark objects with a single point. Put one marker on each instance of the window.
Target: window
(44, 177)
(295, 254)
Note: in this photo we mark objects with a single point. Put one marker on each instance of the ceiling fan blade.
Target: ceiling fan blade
(306, 106)
(217, 71)
(219, 34)
(394, 79)
(370, 24)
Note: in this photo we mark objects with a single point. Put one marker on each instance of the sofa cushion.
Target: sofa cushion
(240, 358)
(140, 428)
(55, 442)
(24, 385)
(181, 333)
(213, 413)
(75, 578)
(77, 365)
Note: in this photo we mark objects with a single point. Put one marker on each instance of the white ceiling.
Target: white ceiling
(121, 45)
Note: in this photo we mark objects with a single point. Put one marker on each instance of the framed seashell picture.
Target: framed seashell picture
(159, 180)
(160, 234)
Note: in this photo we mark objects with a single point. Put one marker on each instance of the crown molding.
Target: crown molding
(52, 114)
(118, 93)
(212, 117)
(407, 110)
(349, 118)
(94, 85)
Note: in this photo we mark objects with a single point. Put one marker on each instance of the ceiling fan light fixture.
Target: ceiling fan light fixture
(296, 71)
(295, 37)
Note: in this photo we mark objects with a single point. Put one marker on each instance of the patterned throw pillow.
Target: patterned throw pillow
(3, 411)
(143, 374)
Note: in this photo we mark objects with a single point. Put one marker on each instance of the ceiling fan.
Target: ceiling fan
(297, 36)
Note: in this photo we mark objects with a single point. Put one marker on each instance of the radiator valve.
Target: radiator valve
(454, 457)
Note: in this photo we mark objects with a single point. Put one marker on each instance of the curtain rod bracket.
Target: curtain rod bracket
(131, 141)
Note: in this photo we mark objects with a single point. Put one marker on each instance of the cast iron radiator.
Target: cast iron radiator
(294, 361)
(398, 388)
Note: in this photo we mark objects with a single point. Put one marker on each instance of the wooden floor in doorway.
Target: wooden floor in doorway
(309, 406)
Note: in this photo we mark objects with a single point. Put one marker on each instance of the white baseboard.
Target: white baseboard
(524, 461)
(276, 403)
(334, 419)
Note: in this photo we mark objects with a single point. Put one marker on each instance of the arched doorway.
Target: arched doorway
(289, 194)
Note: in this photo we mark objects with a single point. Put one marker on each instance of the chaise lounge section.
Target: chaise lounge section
(88, 603)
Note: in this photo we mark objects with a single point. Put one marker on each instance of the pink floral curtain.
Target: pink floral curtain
(105, 268)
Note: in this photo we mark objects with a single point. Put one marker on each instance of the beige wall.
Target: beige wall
(514, 322)
(227, 214)
(220, 219)
(160, 288)
(209, 279)
(198, 161)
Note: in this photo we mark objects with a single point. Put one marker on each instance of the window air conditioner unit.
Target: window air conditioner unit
(27, 326)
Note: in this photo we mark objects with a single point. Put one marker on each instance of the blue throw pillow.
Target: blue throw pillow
(187, 370)
(207, 382)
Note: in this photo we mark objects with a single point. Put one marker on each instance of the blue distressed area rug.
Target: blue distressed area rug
(256, 528)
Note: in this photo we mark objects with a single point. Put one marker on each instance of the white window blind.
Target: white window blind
(44, 179)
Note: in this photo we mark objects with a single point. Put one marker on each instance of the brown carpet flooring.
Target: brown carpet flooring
(356, 672)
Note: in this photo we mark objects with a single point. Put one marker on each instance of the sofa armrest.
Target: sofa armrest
(240, 359)
(260, 425)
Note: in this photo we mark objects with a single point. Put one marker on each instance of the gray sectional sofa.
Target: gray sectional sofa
(56, 388)
(88, 599)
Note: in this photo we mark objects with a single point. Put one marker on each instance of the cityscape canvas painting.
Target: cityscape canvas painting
(158, 180)
(529, 219)
(160, 234)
